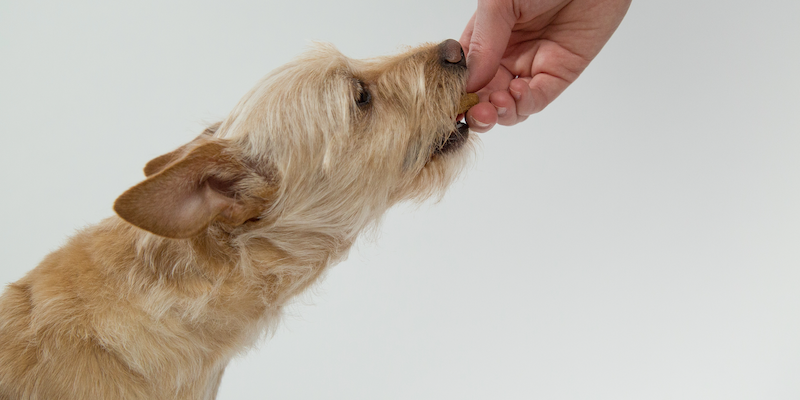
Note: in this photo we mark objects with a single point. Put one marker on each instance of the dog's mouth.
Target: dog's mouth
(455, 139)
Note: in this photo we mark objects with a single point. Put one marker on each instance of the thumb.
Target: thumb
(486, 37)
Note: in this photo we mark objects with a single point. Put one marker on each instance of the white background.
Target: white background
(639, 239)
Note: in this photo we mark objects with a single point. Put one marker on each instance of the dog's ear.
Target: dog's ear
(159, 163)
(205, 184)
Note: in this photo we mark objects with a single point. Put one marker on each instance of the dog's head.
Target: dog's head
(323, 145)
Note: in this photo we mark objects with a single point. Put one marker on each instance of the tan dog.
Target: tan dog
(228, 228)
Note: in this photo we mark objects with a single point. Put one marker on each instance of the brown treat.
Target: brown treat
(467, 101)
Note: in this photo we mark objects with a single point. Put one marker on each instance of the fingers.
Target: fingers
(486, 38)
(513, 105)
(505, 101)
(524, 103)
(481, 117)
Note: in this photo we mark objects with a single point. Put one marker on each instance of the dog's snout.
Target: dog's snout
(452, 53)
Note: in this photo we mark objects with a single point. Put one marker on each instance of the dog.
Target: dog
(205, 252)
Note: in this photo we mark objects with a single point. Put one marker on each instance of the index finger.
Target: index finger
(486, 36)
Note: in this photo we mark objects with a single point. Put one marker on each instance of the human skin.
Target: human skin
(522, 54)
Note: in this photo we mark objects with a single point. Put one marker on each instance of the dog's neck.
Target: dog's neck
(218, 292)
(278, 270)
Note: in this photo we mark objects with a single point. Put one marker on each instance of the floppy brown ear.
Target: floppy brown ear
(159, 163)
(182, 199)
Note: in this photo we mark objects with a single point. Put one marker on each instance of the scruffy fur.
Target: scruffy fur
(224, 231)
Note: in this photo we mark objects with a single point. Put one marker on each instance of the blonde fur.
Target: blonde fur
(230, 227)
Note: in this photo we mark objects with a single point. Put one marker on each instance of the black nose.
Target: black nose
(452, 53)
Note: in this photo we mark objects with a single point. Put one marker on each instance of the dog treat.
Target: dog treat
(467, 101)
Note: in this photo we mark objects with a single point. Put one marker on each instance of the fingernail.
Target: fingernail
(478, 124)
(501, 111)
(517, 95)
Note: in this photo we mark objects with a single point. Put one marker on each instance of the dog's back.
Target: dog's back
(46, 323)
(65, 330)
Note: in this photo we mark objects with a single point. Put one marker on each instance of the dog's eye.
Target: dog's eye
(362, 95)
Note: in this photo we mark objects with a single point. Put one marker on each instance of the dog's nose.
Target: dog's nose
(452, 53)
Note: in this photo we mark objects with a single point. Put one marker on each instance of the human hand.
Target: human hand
(522, 54)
